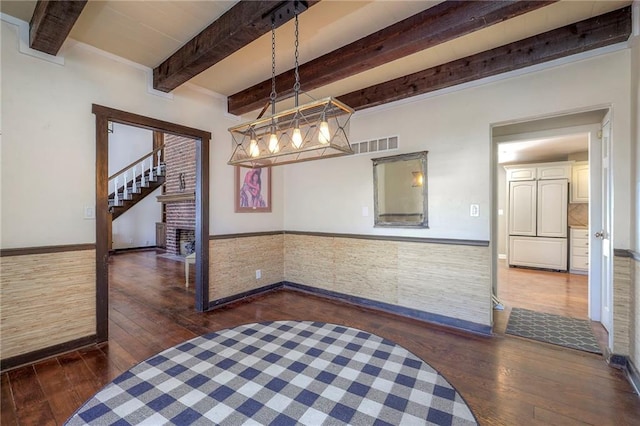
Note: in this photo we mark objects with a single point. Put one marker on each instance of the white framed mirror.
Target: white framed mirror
(400, 190)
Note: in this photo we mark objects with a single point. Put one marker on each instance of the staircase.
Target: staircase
(134, 182)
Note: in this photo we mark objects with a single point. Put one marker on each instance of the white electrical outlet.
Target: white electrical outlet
(474, 210)
(258, 274)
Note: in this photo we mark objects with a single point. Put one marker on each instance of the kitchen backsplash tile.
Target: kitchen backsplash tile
(578, 214)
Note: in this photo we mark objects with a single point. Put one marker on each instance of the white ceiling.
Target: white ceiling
(555, 138)
(543, 149)
(147, 32)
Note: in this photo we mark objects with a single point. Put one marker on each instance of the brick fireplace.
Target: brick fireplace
(180, 216)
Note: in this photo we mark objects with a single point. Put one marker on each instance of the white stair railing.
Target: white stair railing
(128, 181)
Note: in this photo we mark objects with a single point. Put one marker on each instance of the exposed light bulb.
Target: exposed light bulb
(254, 150)
(296, 138)
(273, 143)
(418, 179)
(324, 136)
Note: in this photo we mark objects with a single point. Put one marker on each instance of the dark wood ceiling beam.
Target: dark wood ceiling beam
(600, 31)
(243, 23)
(438, 24)
(51, 24)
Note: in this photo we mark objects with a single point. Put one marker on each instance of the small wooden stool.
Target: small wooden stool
(189, 260)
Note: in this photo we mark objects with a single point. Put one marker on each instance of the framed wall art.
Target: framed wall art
(253, 189)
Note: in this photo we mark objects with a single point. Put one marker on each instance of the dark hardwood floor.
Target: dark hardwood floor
(505, 380)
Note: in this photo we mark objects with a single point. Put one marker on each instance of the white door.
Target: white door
(553, 197)
(603, 235)
(522, 208)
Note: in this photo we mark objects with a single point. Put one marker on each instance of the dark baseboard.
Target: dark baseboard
(633, 375)
(24, 251)
(615, 360)
(41, 354)
(423, 316)
(218, 303)
(427, 317)
(623, 362)
(130, 249)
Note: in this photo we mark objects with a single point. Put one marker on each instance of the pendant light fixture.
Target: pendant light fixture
(306, 132)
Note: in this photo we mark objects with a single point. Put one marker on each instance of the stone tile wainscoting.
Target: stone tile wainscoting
(444, 281)
(40, 289)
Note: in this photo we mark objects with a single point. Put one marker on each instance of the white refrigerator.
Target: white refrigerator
(538, 223)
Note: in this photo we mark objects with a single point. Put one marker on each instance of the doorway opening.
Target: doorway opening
(547, 200)
(105, 116)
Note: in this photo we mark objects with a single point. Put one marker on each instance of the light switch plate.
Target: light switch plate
(474, 210)
(89, 213)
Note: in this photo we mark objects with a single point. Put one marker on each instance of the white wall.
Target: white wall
(127, 144)
(137, 226)
(48, 146)
(455, 129)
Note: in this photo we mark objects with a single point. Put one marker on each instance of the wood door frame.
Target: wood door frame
(202, 138)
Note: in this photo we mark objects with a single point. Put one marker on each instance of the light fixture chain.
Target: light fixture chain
(273, 94)
(296, 86)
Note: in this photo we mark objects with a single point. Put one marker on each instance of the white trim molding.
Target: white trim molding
(23, 40)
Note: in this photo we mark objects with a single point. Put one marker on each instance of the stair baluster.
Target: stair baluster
(126, 195)
(159, 167)
(135, 188)
(152, 176)
(116, 194)
(144, 181)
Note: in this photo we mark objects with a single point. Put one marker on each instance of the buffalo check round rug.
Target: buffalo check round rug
(279, 373)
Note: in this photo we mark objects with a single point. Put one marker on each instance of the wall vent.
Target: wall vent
(375, 145)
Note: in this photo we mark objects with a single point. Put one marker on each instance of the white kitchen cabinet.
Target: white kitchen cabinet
(538, 252)
(579, 251)
(522, 207)
(580, 182)
(537, 215)
(538, 208)
(520, 173)
(552, 208)
(539, 171)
